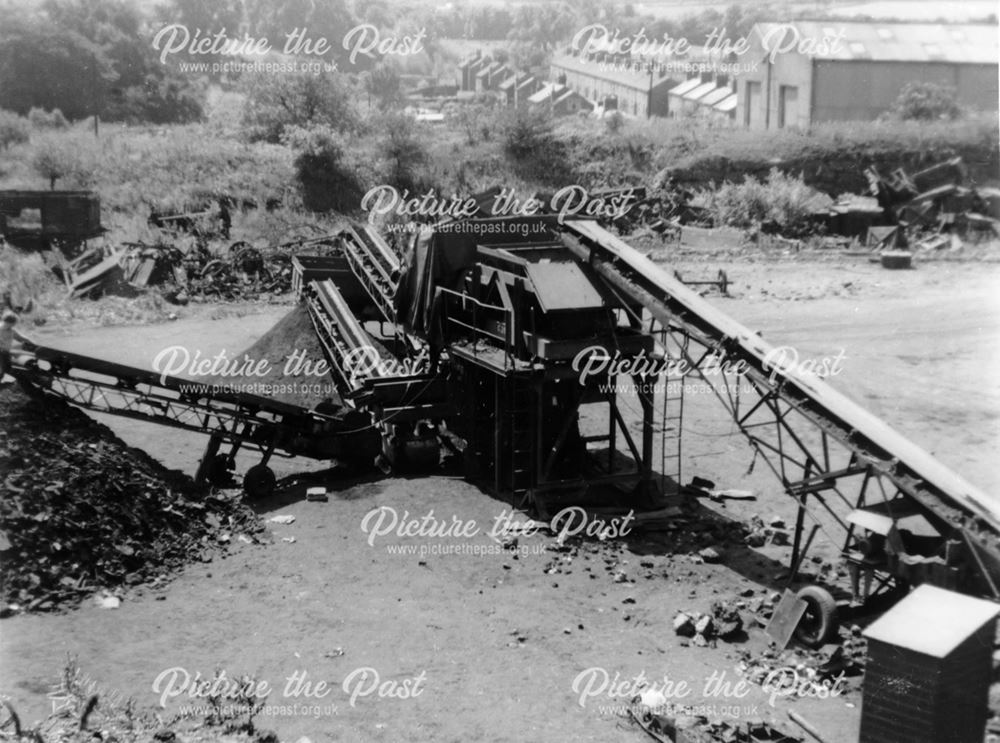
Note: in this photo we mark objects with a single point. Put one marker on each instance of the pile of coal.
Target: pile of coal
(83, 513)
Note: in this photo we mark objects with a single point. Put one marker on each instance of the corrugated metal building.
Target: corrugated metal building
(814, 71)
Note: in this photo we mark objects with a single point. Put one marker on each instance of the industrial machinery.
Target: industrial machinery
(541, 351)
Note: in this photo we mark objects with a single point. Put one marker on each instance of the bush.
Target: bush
(24, 277)
(926, 101)
(614, 122)
(42, 119)
(529, 140)
(13, 129)
(526, 132)
(782, 201)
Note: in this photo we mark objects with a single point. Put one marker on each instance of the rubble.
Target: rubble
(723, 622)
(710, 555)
(759, 535)
(814, 667)
(84, 512)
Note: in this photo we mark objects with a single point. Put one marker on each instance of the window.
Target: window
(886, 34)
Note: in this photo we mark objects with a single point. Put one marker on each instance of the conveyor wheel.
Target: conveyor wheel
(259, 482)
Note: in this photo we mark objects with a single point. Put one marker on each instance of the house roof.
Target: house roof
(966, 43)
(700, 91)
(690, 84)
(489, 69)
(514, 80)
(530, 80)
(542, 94)
(727, 104)
(610, 71)
(933, 621)
(567, 94)
(715, 96)
(474, 57)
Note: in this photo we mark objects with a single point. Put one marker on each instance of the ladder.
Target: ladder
(671, 419)
(522, 418)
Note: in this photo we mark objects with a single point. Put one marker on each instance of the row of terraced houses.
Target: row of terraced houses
(772, 85)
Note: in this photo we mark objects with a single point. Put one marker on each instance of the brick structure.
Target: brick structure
(929, 666)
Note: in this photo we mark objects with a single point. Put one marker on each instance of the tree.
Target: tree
(926, 101)
(14, 129)
(42, 119)
(89, 57)
(383, 83)
(329, 19)
(51, 68)
(64, 156)
(276, 103)
(403, 151)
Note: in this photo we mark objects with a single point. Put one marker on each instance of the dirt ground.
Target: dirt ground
(480, 643)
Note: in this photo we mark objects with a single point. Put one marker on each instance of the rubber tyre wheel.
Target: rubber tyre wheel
(259, 482)
(819, 623)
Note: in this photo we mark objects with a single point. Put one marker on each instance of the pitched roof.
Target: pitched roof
(543, 93)
(715, 96)
(727, 104)
(529, 82)
(567, 94)
(512, 81)
(489, 70)
(700, 91)
(690, 84)
(969, 43)
(612, 71)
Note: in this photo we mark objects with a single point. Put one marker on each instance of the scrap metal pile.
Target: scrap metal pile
(934, 209)
(83, 512)
(241, 272)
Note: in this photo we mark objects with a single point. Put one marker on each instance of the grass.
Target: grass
(85, 710)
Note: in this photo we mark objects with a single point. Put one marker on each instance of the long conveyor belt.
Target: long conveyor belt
(875, 453)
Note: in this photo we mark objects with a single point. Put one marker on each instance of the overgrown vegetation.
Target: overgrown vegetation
(83, 709)
(782, 203)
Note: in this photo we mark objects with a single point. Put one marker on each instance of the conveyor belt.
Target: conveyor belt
(875, 449)
(253, 421)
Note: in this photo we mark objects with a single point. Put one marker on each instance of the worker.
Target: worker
(9, 334)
